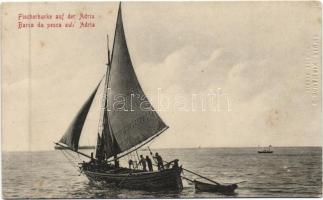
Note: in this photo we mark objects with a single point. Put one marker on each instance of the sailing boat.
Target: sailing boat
(122, 131)
(266, 150)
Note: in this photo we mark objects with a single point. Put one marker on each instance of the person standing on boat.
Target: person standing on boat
(131, 165)
(159, 160)
(149, 163)
(116, 163)
(92, 158)
(142, 162)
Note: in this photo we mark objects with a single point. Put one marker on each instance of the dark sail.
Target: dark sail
(99, 149)
(136, 121)
(72, 135)
(107, 146)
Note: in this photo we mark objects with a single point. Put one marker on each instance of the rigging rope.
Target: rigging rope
(78, 155)
(69, 159)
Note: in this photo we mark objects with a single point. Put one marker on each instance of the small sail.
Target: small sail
(132, 118)
(72, 135)
(106, 144)
(99, 150)
(109, 145)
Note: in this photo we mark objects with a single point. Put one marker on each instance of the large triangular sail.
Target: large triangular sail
(131, 116)
(128, 119)
(72, 135)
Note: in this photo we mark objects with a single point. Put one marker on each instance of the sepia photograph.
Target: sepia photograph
(118, 100)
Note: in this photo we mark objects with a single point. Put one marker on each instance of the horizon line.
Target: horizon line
(196, 147)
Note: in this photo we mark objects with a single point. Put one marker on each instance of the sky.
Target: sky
(261, 59)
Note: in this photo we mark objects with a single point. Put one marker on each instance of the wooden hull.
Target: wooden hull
(168, 179)
(206, 187)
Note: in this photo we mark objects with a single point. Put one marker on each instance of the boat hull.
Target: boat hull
(168, 179)
(265, 152)
(206, 187)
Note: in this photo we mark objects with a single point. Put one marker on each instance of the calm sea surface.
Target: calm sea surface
(289, 172)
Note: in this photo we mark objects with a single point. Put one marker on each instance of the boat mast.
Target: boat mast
(108, 78)
(105, 122)
(100, 154)
(109, 57)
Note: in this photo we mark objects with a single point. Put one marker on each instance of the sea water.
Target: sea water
(288, 172)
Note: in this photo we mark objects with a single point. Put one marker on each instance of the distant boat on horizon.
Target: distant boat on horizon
(266, 150)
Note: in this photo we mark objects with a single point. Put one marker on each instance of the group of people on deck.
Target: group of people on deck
(144, 162)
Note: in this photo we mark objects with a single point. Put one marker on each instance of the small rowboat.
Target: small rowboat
(207, 187)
